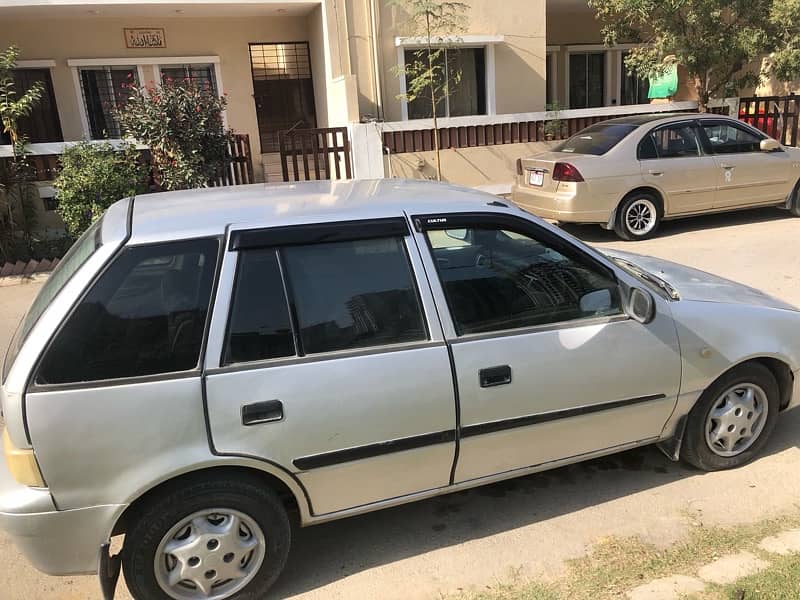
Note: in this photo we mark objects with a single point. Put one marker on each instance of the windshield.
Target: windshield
(597, 139)
(73, 260)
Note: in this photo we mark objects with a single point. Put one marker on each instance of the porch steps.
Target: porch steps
(26, 269)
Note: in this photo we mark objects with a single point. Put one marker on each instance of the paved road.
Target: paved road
(529, 526)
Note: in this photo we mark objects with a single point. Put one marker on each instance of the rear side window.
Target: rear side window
(353, 294)
(597, 139)
(676, 141)
(259, 326)
(145, 315)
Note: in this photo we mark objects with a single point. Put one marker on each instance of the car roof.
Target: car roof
(639, 120)
(208, 211)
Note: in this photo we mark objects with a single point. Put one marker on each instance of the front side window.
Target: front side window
(465, 71)
(727, 138)
(496, 279)
(145, 315)
(673, 141)
(353, 294)
(104, 89)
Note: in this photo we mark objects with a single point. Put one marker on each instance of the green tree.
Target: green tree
(720, 42)
(16, 176)
(437, 25)
(181, 122)
(92, 177)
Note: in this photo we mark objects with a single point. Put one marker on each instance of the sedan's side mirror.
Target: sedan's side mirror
(769, 145)
(640, 306)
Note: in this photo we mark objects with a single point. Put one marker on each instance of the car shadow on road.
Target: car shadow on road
(326, 553)
(595, 233)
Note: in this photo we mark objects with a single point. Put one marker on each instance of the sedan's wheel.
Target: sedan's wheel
(733, 419)
(638, 217)
(794, 207)
(215, 540)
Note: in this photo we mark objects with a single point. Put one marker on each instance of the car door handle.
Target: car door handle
(494, 376)
(724, 166)
(262, 412)
(656, 173)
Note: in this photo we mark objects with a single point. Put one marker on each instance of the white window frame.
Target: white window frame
(551, 56)
(487, 42)
(50, 64)
(591, 49)
(619, 50)
(139, 63)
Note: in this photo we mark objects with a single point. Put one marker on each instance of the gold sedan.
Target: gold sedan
(628, 174)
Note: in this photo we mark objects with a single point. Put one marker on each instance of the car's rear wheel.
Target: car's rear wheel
(218, 539)
(638, 216)
(733, 419)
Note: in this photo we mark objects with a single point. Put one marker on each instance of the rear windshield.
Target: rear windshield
(73, 260)
(597, 139)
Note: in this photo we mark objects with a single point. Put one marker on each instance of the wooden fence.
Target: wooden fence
(239, 171)
(315, 154)
(777, 116)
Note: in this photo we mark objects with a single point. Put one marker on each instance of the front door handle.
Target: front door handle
(494, 376)
(262, 412)
(656, 173)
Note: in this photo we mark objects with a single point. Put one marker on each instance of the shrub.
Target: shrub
(181, 122)
(92, 178)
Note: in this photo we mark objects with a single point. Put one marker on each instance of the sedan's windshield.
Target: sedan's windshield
(78, 254)
(597, 139)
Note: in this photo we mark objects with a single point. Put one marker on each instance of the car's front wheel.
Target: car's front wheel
(220, 538)
(794, 206)
(733, 419)
(638, 216)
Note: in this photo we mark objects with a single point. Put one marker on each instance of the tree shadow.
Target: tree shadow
(595, 233)
(326, 553)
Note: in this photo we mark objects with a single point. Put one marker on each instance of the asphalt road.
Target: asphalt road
(528, 527)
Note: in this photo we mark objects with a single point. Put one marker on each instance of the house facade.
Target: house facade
(298, 64)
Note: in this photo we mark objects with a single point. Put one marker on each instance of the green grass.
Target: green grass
(617, 565)
(781, 581)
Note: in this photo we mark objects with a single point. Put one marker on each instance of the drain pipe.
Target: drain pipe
(376, 63)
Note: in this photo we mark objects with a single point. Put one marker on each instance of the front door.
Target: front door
(672, 160)
(745, 174)
(548, 366)
(328, 363)
(283, 90)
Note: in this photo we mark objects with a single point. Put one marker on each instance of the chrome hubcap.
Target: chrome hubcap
(736, 419)
(641, 216)
(209, 554)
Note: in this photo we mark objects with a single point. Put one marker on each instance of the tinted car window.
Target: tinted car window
(260, 327)
(597, 139)
(506, 280)
(647, 148)
(677, 141)
(726, 138)
(145, 315)
(353, 294)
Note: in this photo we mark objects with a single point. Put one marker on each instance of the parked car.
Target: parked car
(629, 174)
(207, 368)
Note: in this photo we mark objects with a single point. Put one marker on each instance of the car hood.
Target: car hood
(693, 284)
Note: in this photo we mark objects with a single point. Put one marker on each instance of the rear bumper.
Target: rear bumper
(566, 204)
(57, 542)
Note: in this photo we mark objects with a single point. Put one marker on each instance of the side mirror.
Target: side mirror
(769, 145)
(640, 307)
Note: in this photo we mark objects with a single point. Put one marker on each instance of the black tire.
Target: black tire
(154, 520)
(623, 228)
(695, 449)
(794, 206)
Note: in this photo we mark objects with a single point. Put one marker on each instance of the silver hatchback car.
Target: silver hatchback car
(207, 368)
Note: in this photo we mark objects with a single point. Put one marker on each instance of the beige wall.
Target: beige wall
(519, 60)
(471, 167)
(227, 38)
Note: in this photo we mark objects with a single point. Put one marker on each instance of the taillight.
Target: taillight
(566, 172)
(519, 166)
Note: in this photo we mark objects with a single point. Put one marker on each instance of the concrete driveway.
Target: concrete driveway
(529, 526)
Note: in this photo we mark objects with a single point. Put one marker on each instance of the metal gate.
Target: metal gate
(777, 116)
(315, 154)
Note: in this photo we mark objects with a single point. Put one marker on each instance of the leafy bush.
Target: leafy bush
(92, 178)
(181, 122)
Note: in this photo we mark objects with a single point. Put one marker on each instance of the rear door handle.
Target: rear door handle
(262, 412)
(494, 376)
(656, 173)
(724, 166)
